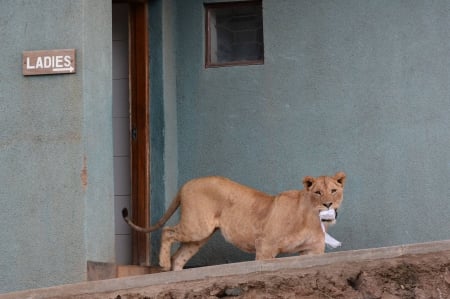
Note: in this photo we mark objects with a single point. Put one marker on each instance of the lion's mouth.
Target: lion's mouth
(328, 215)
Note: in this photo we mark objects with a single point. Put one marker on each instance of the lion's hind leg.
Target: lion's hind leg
(167, 238)
(190, 240)
(185, 253)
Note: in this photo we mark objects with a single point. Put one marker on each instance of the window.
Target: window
(234, 33)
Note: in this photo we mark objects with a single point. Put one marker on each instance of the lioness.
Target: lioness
(251, 220)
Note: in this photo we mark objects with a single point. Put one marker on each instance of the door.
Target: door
(131, 128)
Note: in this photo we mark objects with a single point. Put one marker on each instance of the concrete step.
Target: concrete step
(300, 262)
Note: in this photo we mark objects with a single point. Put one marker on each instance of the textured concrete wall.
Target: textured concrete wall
(358, 86)
(55, 145)
(163, 101)
(97, 129)
(157, 127)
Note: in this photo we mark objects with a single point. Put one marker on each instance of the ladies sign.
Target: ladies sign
(48, 62)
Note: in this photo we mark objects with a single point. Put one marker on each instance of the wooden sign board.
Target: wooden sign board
(48, 62)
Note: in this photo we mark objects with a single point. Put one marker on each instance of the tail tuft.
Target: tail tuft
(125, 213)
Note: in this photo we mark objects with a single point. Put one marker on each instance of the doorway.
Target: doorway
(131, 128)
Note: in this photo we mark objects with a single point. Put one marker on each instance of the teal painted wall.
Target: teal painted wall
(157, 119)
(357, 86)
(163, 102)
(54, 129)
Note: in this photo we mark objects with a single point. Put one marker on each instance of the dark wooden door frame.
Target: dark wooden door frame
(140, 128)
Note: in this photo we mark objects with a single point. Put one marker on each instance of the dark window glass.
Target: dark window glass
(234, 33)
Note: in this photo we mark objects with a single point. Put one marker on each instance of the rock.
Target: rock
(233, 292)
(447, 276)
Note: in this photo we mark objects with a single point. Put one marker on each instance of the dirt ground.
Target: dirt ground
(413, 276)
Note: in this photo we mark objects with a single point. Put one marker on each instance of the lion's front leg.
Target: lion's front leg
(265, 250)
(317, 248)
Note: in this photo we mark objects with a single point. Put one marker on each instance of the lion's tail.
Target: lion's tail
(172, 208)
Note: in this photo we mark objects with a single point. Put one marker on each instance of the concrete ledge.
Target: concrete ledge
(112, 285)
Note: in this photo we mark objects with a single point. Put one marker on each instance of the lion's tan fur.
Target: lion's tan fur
(251, 220)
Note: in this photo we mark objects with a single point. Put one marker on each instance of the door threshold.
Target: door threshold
(101, 271)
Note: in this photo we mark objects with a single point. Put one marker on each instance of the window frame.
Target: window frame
(236, 4)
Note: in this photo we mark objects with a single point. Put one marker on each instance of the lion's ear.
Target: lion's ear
(340, 178)
(308, 181)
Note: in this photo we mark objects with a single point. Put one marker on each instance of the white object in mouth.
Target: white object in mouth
(332, 242)
(328, 214)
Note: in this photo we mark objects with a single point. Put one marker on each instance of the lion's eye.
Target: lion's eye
(333, 191)
(318, 193)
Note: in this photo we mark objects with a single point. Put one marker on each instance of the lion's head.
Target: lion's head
(325, 192)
